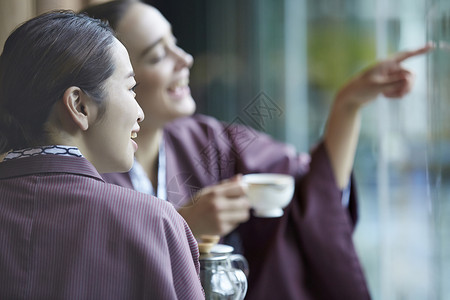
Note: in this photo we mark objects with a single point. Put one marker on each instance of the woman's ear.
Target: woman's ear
(80, 107)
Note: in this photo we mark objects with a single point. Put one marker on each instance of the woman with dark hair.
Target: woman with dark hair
(307, 253)
(67, 112)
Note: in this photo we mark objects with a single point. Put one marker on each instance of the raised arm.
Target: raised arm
(387, 77)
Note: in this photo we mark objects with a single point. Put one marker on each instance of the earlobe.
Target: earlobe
(75, 102)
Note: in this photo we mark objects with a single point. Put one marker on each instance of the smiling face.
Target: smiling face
(161, 67)
(109, 139)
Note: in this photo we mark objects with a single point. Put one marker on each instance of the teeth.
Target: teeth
(133, 135)
(181, 83)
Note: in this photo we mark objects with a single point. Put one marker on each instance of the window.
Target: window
(276, 65)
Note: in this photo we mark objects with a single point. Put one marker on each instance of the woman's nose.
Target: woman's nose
(189, 60)
(141, 115)
(184, 58)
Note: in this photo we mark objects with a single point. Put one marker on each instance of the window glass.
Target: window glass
(276, 66)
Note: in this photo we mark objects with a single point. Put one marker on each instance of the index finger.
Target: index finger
(401, 56)
(228, 189)
(234, 178)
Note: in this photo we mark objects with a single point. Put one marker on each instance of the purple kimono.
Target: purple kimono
(66, 234)
(307, 253)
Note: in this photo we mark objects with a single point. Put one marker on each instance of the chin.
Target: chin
(188, 109)
(127, 167)
(184, 104)
(124, 165)
(179, 115)
(188, 113)
(119, 169)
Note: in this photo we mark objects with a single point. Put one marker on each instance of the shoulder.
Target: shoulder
(195, 124)
(134, 198)
(128, 204)
(199, 127)
(151, 223)
(122, 179)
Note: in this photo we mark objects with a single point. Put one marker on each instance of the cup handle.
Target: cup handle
(241, 282)
(240, 262)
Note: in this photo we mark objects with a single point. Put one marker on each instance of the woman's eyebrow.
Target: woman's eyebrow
(149, 48)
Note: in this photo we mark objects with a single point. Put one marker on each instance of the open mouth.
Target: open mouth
(134, 135)
(180, 87)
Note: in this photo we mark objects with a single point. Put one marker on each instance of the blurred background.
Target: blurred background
(275, 65)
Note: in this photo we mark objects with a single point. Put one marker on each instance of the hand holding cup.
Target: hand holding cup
(269, 193)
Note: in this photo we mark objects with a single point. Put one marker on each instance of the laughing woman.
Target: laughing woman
(187, 159)
(67, 112)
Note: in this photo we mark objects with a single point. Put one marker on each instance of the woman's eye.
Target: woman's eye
(158, 54)
(157, 59)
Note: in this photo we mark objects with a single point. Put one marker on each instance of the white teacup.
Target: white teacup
(269, 193)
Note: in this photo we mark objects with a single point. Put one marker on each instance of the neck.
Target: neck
(148, 151)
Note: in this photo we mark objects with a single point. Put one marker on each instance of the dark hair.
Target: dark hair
(40, 60)
(111, 11)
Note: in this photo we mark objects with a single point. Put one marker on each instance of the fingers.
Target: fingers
(235, 204)
(383, 80)
(230, 188)
(225, 197)
(232, 219)
(407, 54)
(232, 214)
(230, 206)
(393, 78)
(397, 92)
(215, 214)
(400, 88)
(234, 178)
(225, 215)
(218, 209)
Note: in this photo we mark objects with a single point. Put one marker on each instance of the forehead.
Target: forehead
(121, 60)
(142, 26)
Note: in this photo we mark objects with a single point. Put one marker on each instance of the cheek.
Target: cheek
(150, 93)
(153, 80)
(150, 105)
(125, 113)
